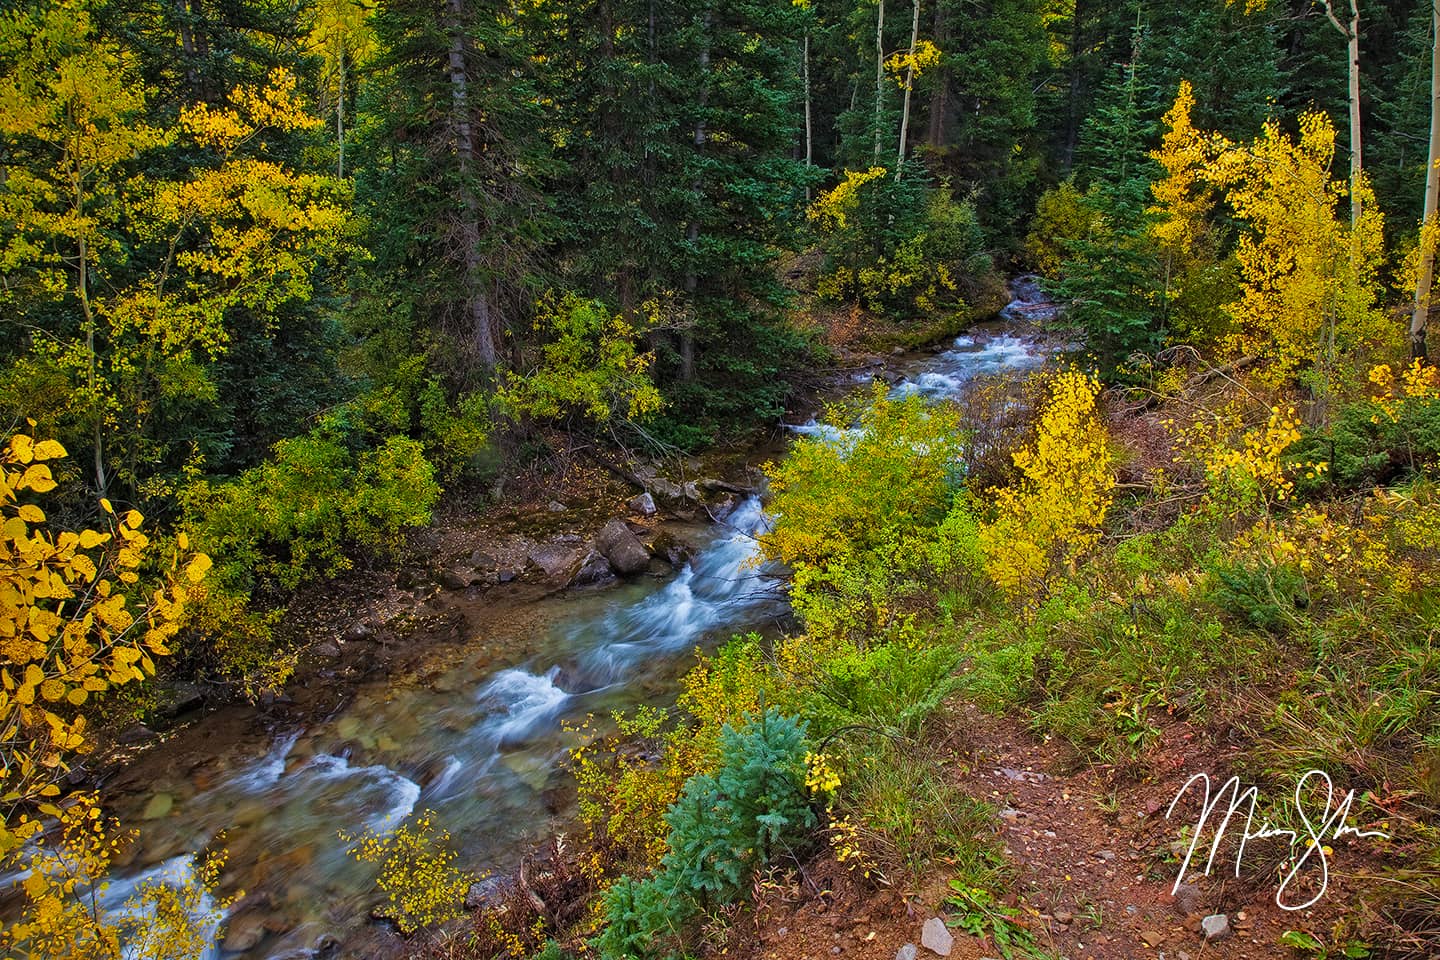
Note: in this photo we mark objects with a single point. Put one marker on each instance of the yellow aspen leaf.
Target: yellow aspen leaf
(22, 448)
(197, 568)
(49, 450)
(90, 539)
(30, 513)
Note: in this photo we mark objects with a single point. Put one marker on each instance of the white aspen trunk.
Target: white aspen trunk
(879, 74)
(340, 116)
(1425, 279)
(909, 87)
(809, 139)
(1351, 33)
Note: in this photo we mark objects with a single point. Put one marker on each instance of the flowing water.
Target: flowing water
(481, 747)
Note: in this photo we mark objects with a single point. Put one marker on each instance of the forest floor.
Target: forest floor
(1094, 862)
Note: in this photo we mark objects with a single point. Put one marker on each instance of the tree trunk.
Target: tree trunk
(1351, 33)
(477, 303)
(909, 87)
(692, 234)
(940, 95)
(879, 74)
(1420, 319)
(340, 116)
(1077, 73)
(809, 130)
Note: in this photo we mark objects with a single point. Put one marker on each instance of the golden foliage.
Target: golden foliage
(68, 626)
(166, 919)
(1052, 514)
(418, 875)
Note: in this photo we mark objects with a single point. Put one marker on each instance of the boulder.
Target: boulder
(357, 631)
(594, 568)
(243, 932)
(556, 559)
(452, 579)
(644, 504)
(627, 555)
(484, 893)
(664, 491)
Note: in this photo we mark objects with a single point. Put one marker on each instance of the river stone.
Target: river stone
(593, 569)
(243, 932)
(644, 504)
(664, 491)
(158, 807)
(483, 893)
(627, 555)
(936, 938)
(452, 579)
(531, 770)
(556, 559)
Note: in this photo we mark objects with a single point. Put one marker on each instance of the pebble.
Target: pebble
(1152, 938)
(1215, 926)
(936, 938)
(906, 952)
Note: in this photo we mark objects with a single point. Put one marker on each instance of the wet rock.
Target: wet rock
(244, 932)
(594, 568)
(134, 734)
(556, 559)
(1215, 927)
(936, 938)
(453, 579)
(358, 631)
(159, 807)
(906, 952)
(484, 893)
(672, 551)
(644, 504)
(626, 553)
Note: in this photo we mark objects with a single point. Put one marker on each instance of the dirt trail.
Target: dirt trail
(1095, 866)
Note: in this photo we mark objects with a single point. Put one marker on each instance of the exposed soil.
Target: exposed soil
(1095, 860)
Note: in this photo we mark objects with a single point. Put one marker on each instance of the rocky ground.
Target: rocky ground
(1095, 863)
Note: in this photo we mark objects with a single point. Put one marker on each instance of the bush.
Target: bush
(722, 827)
(293, 517)
(895, 471)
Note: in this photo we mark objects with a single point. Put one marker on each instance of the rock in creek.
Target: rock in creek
(556, 559)
(627, 555)
(593, 569)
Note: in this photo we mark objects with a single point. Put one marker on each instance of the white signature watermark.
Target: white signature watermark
(1329, 824)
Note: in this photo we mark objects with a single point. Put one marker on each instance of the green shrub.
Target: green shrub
(753, 808)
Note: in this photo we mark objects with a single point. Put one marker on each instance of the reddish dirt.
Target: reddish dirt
(1095, 860)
